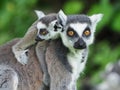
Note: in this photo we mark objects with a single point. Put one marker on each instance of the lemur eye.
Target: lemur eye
(43, 32)
(70, 32)
(87, 32)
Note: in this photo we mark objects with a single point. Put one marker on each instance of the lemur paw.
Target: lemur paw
(21, 56)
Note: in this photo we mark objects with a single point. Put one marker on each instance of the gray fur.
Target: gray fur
(60, 77)
(40, 52)
(48, 18)
(84, 55)
(30, 76)
(61, 52)
(8, 78)
(78, 18)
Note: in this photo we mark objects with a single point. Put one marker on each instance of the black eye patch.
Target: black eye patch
(43, 31)
(56, 26)
(71, 32)
(87, 32)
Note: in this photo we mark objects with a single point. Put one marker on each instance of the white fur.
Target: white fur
(79, 28)
(15, 82)
(53, 34)
(10, 76)
(68, 43)
(75, 61)
(62, 17)
(20, 55)
(39, 14)
(50, 28)
(77, 66)
(41, 25)
(95, 18)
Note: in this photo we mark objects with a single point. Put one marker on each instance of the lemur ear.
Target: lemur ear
(39, 14)
(95, 18)
(61, 18)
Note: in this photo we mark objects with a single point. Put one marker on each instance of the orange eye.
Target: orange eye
(71, 33)
(87, 33)
(43, 31)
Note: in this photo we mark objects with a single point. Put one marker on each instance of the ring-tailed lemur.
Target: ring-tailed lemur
(77, 34)
(43, 29)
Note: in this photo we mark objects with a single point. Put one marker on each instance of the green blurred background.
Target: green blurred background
(16, 16)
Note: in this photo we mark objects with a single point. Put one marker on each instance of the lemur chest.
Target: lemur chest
(77, 61)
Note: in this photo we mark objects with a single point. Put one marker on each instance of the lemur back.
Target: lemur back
(15, 76)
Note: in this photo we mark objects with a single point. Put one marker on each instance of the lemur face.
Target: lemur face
(46, 27)
(78, 30)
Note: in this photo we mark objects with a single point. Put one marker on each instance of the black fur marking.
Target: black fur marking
(80, 44)
(78, 18)
(60, 22)
(84, 54)
(61, 53)
(83, 59)
(55, 28)
(71, 29)
(85, 30)
(48, 18)
(62, 30)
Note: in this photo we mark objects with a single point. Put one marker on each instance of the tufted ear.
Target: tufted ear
(95, 18)
(39, 14)
(61, 18)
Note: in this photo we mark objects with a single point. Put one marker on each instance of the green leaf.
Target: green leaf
(4, 38)
(116, 23)
(73, 7)
(106, 9)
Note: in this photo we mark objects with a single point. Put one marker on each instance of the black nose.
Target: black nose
(80, 44)
(38, 38)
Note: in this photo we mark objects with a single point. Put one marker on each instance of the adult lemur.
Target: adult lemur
(43, 28)
(77, 34)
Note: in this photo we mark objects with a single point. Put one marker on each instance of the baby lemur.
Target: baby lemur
(42, 29)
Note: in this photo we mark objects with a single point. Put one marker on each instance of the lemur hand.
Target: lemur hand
(21, 56)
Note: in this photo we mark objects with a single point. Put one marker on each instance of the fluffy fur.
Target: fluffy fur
(79, 43)
(20, 49)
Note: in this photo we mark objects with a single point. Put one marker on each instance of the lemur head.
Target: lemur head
(46, 26)
(78, 30)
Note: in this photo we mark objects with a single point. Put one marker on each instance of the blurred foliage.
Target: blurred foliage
(16, 17)
(73, 7)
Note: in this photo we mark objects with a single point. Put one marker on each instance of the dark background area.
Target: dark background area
(16, 16)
